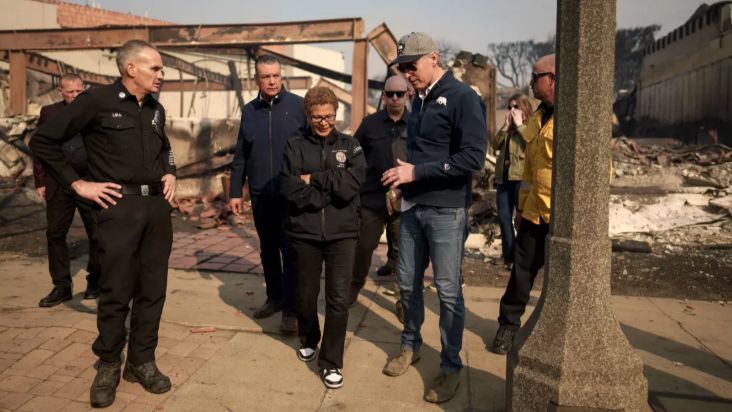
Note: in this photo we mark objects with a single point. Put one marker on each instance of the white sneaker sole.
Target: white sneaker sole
(330, 385)
(306, 359)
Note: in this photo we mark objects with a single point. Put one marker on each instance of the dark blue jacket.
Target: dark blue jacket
(446, 143)
(263, 132)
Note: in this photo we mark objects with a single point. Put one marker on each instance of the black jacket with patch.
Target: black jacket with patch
(328, 207)
(125, 142)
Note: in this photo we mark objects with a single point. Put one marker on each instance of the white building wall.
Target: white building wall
(26, 14)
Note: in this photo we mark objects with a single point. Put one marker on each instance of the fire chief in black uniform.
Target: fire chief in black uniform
(132, 182)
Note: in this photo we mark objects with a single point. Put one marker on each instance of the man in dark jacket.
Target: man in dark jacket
(446, 144)
(61, 202)
(132, 183)
(266, 123)
(383, 136)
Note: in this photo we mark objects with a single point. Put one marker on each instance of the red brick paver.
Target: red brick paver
(56, 371)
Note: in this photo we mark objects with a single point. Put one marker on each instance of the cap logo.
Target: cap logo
(400, 49)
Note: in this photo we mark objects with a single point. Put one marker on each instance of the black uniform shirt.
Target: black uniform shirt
(383, 141)
(125, 142)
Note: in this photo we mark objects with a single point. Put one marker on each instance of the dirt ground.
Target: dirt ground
(684, 272)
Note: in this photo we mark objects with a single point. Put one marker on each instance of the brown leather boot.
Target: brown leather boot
(399, 364)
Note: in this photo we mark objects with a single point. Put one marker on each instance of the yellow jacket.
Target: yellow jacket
(536, 185)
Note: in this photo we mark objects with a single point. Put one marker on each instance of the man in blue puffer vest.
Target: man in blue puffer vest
(267, 122)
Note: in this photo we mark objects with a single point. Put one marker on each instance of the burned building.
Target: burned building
(685, 83)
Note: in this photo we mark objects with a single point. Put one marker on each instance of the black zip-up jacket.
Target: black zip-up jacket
(328, 207)
(125, 142)
(446, 142)
(263, 132)
(383, 141)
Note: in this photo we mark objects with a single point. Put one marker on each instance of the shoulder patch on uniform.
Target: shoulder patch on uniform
(357, 149)
(157, 121)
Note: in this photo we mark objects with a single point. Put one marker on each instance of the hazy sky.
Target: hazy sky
(470, 24)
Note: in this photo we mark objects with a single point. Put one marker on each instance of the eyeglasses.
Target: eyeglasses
(535, 76)
(394, 93)
(319, 119)
(512, 106)
(407, 67)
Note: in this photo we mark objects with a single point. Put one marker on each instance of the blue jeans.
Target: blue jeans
(507, 194)
(437, 234)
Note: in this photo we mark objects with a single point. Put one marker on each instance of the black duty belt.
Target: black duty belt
(151, 189)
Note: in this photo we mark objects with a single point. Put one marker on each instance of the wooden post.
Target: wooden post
(359, 85)
(18, 82)
(180, 77)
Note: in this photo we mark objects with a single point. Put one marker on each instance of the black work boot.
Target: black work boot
(58, 294)
(104, 387)
(503, 340)
(92, 290)
(267, 310)
(386, 270)
(148, 375)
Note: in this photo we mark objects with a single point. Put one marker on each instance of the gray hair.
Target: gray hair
(70, 77)
(266, 59)
(130, 50)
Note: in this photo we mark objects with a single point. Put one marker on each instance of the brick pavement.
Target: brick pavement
(49, 366)
(232, 249)
(46, 361)
(226, 248)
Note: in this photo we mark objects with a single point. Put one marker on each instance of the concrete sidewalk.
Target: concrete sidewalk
(46, 361)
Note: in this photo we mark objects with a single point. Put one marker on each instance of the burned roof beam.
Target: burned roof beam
(47, 65)
(204, 35)
(177, 63)
(292, 83)
(385, 44)
(342, 94)
(319, 70)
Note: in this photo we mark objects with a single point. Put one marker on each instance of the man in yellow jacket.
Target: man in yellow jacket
(532, 219)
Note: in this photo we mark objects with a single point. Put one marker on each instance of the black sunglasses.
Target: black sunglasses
(407, 67)
(514, 106)
(394, 93)
(535, 76)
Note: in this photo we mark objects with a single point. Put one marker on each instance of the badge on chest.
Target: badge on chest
(340, 156)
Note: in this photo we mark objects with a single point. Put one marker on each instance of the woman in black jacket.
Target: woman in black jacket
(322, 172)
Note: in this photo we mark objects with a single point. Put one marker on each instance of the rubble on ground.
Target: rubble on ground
(211, 210)
(663, 198)
(15, 159)
(671, 197)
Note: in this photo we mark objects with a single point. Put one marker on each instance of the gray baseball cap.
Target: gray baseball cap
(413, 46)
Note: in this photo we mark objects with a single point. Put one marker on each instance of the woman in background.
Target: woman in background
(509, 147)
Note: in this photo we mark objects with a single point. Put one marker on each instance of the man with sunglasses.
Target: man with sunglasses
(383, 137)
(532, 218)
(446, 144)
(267, 122)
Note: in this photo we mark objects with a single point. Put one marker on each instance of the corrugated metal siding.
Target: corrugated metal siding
(702, 93)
